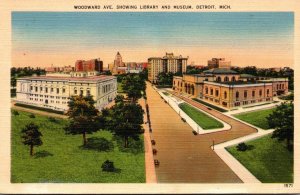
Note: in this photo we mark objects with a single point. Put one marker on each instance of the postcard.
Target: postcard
(149, 97)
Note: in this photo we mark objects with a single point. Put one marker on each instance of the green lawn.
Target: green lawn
(61, 158)
(256, 118)
(268, 160)
(203, 120)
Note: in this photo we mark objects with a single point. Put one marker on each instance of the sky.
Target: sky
(263, 39)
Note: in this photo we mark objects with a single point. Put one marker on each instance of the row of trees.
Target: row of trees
(22, 72)
(166, 78)
(268, 72)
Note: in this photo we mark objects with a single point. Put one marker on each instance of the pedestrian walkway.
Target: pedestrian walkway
(184, 157)
(149, 166)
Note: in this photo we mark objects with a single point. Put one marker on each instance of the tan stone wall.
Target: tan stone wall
(226, 97)
(280, 87)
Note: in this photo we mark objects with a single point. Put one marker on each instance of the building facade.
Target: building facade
(168, 63)
(89, 65)
(53, 92)
(218, 63)
(228, 89)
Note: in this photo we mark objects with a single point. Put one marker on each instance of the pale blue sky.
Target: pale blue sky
(106, 33)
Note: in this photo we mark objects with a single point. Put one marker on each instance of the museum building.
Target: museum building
(54, 91)
(228, 89)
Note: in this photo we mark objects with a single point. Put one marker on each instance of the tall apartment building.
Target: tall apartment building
(218, 63)
(89, 65)
(168, 63)
(53, 92)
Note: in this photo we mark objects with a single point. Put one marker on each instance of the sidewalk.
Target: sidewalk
(149, 160)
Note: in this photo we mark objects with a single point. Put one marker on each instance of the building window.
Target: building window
(41, 88)
(253, 93)
(211, 91)
(206, 90)
(88, 92)
(233, 79)
(64, 90)
(268, 92)
(46, 89)
(51, 90)
(245, 94)
(81, 91)
(57, 90)
(237, 95)
(217, 92)
(226, 79)
(225, 95)
(31, 88)
(36, 89)
(260, 92)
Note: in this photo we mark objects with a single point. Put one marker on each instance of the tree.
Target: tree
(282, 120)
(13, 82)
(133, 85)
(144, 74)
(119, 99)
(126, 121)
(31, 136)
(84, 117)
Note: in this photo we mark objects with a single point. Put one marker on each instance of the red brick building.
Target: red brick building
(89, 65)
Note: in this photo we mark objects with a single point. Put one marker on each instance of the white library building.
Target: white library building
(54, 90)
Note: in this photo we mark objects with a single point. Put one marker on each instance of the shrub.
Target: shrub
(52, 119)
(32, 116)
(15, 112)
(108, 166)
(210, 105)
(242, 147)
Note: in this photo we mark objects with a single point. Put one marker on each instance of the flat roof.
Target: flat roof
(220, 71)
(58, 78)
(238, 83)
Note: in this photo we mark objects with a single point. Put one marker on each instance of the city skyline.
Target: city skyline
(262, 39)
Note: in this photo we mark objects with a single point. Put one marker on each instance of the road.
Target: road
(184, 157)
